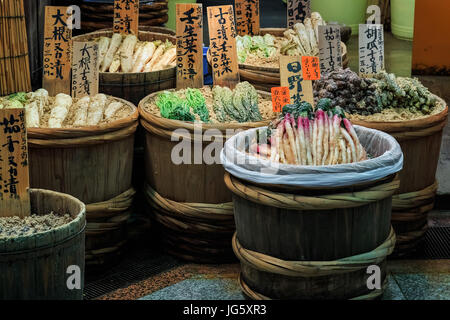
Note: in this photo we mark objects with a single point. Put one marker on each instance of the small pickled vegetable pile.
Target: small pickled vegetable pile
(219, 105)
(128, 54)
(382, 97)
(62, 111)
(302, 40)
(302, 136)
(13, 227)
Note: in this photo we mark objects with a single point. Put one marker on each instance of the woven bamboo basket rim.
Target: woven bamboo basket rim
(406, 125)
(53, 236)
(169, 124)
(258, 296)
(277, 32)
(416, 214)
(411, 236)
(297, 202)
(307, 269)
(414, 199)
(108, 33)
(86, 131)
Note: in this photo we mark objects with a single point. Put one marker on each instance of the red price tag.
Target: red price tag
(280, 98)
(311, 68)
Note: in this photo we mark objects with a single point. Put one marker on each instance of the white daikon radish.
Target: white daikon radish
(138, 51)
(303, 37)
(158, 53)
(112, 109)
(127, 51)
(32, 115)
(312, 37)
(146, 55)
(103, 46)
(96, 108)
(60, 110)
(109, 57)
(165, 59)
(40, 96)
(81, 114)
(115, 65)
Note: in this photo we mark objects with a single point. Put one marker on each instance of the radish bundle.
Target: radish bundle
(306, 137)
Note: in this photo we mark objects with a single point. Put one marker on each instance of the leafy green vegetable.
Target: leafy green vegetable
(197, 102)
(171, 106)
(19, 96)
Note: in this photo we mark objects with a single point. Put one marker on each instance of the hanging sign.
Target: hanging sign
(57, 51)
(85, 69)
(330, 50)
(126, 16)
(310, 68)
(189, 46)
(292, 77)
(247, 17)
(280, 98)
(297, 11)
(371, 48)
(14, 179)
(222, 34)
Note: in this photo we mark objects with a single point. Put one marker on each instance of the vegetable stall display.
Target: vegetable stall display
(132, 66)
(185, 131)
(84, 148)
(328, 220)
(408, 111)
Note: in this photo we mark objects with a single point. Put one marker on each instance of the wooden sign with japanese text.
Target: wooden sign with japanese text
(85, 71)
(247, 17)
(291, 76)
(330, 49)
(189, 46)
(14, 178)
(280, 98)
(371, 48)
(57, 51)
(310, 68)
(222, 35)
(297, 11)
(126, 16)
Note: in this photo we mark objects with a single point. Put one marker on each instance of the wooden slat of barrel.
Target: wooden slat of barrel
(35, 267)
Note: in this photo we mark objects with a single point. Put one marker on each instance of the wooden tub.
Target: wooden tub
(190, 201)
(93, 164)
(35, 267)
(420, 141)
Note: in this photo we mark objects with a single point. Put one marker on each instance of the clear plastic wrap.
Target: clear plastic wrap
(385, 154)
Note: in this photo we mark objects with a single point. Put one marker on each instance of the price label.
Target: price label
(297, 11)
(222, 34)
(14, 178)
(330, 50)
(371, 48)
(310, 68)
(189, 46)
(291, 76)
(280, 98)
(85, 69)
(57, 51)
(247, 17)
(126, 16)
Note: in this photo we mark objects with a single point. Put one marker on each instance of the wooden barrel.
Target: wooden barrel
(264, 78)
(190, 202)
(93, 164)
(420, 141)
(134, 87)
(311, 243)
(35, 267)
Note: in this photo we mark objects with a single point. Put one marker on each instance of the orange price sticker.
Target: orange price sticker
(280, 98)
(311, 68)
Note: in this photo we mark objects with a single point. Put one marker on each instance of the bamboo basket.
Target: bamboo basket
(420, 141)
(14, 63)
(34, 267)
(134, 87)
(93, 164)
(310, 243)
(190, 202)
(264, 78)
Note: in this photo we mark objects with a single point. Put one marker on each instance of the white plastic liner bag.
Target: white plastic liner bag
(386, 158)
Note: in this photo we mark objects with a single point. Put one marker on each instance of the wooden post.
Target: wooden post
(189, 46)
(85, 69)
(291, 76)
(14, 178)
(57, 51)
(222, 34)
(126, 16)
(247, 17)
